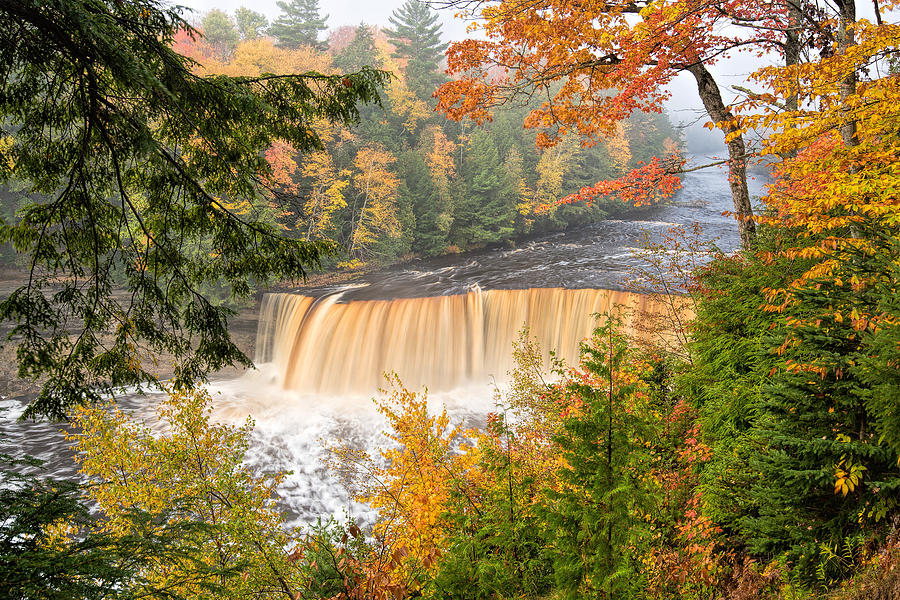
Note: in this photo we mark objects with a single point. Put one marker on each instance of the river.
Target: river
(446, 323)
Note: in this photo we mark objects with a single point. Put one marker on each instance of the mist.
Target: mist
(683, 106)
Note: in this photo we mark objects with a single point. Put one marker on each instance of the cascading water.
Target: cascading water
(322, 359)
(328, 347)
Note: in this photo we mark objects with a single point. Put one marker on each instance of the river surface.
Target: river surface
(600, 255)
(292, 426)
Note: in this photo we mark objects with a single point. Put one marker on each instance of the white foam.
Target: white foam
(11, 410)
(292, 430)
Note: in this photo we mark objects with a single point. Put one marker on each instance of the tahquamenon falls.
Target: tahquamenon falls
(447, 324)
(336, 348)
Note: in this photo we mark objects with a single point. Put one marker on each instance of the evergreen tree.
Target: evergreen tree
(596, 515)
(299, 24)
(879, 366)
(125, 192)
(498, 549)
(430, 238)
(826, 477)
(389, 249)
(416, 35)
(360, 52)
(39, 559)
(219, 31)
(250, 24)
(486, 213)
(732, 356)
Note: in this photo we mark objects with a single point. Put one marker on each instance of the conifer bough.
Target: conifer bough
(132, 164)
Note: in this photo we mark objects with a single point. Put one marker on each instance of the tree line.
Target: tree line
(406, 180)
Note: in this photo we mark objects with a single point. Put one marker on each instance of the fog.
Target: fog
(340, 12)
(684, 106)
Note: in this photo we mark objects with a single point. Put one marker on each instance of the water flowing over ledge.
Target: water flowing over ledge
(325, 346)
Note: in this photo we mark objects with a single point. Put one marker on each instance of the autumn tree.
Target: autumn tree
(526, 203)
(835, 146)
(606, 61)
(252, 58)
(340, 37)
(377, 188)
(299, 24)
(325, 192)
(407, 107)
(40, 558)
(416, 35)
(192, 45)
(194, 473)
(120, 192)
(553, 169)
(835, 209)
(619, 148)
(408, 484)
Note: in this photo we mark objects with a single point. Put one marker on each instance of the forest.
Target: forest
(745, 446)
(404, 180)
(407, 180)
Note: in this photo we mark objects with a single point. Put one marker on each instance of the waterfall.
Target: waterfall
(325, 346)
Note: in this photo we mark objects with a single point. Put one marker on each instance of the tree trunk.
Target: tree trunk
(792, 47)
(792, 59)
(846, 39)
(848, 129)
(737, 152)
(362, 212)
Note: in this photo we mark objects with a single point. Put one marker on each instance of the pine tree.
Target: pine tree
(825, 475)
(595, 515)
(429, 239)
(39, 558)
(299, 24)
(880, 364)
(486, 213)
(360, 52)
(250, 24)
(498, 548)
(219, 31)
(732, 357)
(416, 35)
